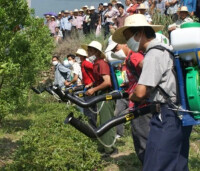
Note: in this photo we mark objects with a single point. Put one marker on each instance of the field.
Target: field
(38, 139)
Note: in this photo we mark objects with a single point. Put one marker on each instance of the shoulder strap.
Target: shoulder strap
(88, 73)
(162, 48)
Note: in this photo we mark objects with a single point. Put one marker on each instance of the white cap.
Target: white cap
(111, 44)
(119, 2)
(105, 4)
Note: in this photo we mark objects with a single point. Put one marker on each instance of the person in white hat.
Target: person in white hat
(184, 17)
(88, 81)
(66, 25)
(94, 19)
(157, 82)
(105, 10)
(102, 85)
(142, 9)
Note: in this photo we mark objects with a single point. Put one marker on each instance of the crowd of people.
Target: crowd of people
(160, 141)
(110, 16)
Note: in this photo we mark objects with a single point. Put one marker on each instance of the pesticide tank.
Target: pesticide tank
(188, 37)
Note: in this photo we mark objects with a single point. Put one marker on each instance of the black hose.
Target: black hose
(96, 99)
(94, 133)
(74, 89)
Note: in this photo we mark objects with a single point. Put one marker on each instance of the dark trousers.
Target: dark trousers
(107, 29)
(140, 130)
(168, 143)
(121, 108)
(67, 33)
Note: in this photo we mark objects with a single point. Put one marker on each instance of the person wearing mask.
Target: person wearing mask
(76, 71)
(62, 73)
(157, 77)
(102, 85)
(88, 81)
(139, 126)
(184, 17)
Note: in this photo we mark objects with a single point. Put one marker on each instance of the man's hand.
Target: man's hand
(90, 92)
(67, 83)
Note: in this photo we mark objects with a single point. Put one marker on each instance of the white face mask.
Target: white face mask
(71, 63)
(92, 58)
(132, 44)
(119, 55)
(55, 63)
(66, 63)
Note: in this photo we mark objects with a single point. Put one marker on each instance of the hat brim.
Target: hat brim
(85, 47)
(111, 47)
(118, 35)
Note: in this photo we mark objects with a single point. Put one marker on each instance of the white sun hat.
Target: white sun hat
(81, 10)
(75, 10)
(81, 52)
(105, 4)
(96, 45)
(184, 9)
(85, 7)
(142, 6)
(111, 44)
(92, 8)
(66, 11)
(133, 21)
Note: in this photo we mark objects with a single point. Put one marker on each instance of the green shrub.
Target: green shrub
(49, 144)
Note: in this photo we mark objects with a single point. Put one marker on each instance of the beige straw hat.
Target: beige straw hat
(96, 45)
(141, 6)
(81, 52)
(66, 11)
(92, 8)
(184, 9)
(136, 20)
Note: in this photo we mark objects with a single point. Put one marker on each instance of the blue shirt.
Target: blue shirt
(65, 24)
(191, 4)
(62, 74)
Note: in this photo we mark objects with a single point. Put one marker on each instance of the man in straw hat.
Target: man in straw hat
(102, 85)
(142, 9)
(168, 144)
(94, 19)
(88, 80)
(184, 17)
(139, 126)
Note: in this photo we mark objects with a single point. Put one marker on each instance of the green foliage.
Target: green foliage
(25, 49)
(49, 144)
(165, 20)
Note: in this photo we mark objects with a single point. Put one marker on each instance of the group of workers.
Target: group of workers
(160, 140)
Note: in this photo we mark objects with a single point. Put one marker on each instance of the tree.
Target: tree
(25, 50)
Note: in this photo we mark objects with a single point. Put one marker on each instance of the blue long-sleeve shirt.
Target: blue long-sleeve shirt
(191, 4)
(62, 74)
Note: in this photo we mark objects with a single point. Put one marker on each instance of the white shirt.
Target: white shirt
(76, 69)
